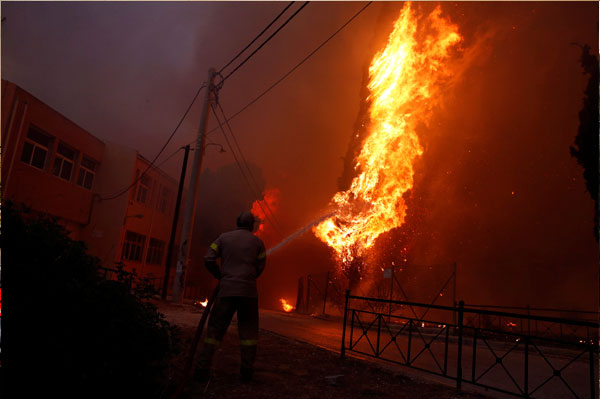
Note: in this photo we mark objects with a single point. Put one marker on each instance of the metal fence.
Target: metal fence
(322, 293)
(517, 362)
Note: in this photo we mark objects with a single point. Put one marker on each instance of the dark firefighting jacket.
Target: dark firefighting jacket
(243, 259)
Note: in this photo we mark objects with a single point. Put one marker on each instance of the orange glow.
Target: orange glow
(511, 324)
(404, 88)
(271, 198)
(286, 306)
(204, 303)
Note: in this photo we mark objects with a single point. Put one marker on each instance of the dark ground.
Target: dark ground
(286, 368)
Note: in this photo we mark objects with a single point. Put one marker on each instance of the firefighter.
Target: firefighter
(243, 259)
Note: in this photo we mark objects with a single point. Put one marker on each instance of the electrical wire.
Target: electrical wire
(123, 191)
(265, 42)
(256, 38)
(295, 67)
(246, 164)
(171, 156)
(252, 192)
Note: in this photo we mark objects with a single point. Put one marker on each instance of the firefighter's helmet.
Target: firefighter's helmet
(245, 220)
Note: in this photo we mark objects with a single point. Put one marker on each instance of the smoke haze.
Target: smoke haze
(496, 190)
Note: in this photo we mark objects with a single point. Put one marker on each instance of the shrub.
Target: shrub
(70, 332)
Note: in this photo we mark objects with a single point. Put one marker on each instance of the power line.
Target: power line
(295, 67)
(246, 163)
(252, 192)
(170, 156)
(259, 35)
(265, 42)
(123, 191)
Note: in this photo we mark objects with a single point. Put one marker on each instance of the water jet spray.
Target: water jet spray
(298, 233)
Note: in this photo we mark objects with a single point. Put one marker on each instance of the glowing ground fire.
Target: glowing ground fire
(202, 303)
(285, 305)
(404, 88)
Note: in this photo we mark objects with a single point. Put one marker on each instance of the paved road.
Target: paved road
(327, 333)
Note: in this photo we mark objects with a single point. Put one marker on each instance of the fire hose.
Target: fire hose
(189, 362)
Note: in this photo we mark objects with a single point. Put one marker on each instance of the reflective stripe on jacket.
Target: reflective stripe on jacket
(243, 259)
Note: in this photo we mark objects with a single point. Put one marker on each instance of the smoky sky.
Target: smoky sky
(496, 190)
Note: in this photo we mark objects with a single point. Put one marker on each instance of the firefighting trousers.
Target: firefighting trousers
(220, 318)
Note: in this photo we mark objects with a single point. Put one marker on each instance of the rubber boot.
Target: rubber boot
(248, 353)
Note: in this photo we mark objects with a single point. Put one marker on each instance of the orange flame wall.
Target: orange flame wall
(405, 86)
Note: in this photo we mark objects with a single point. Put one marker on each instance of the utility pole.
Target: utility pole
(174, 225)
(190, 208)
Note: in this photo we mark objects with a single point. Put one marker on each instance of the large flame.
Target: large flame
(405, 86)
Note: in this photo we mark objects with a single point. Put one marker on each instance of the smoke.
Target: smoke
(223, 194)
(496, 190)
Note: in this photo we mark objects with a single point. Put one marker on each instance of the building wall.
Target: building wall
(103, 214)
(103, 233)
(37, 187)
(149, 214)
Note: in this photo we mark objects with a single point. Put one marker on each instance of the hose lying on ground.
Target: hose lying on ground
(189, 362)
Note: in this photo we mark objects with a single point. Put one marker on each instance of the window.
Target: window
(87, 171)
(156, 250)
(63, 162)
(143, 191)
(35, 148)
(164, 202)
(133, 246)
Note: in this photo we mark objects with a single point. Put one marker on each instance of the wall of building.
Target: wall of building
(102, 214)
(103, 234)
(149, 214)
(37, 187)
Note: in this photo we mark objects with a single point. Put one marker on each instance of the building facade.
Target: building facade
(48, 162)
(131, 222)
(105, 194)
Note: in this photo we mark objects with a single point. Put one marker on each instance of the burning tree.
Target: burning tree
(354, 268)
(406, 81)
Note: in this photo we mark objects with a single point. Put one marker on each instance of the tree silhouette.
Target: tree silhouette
(585, 149)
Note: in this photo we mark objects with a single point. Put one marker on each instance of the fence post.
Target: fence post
(526, 383)
(343, 353)
(461, 306)
(409, 341)
(325, 297)
(299, 299)
(379, 316)
(528, 321)
(592, 379)
(308, 280)
(391, 296)
(454, 293)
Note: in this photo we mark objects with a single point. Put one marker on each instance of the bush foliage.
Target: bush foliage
(71, 332)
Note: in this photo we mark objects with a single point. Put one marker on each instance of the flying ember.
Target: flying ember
(285, 305)
(405, 86)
